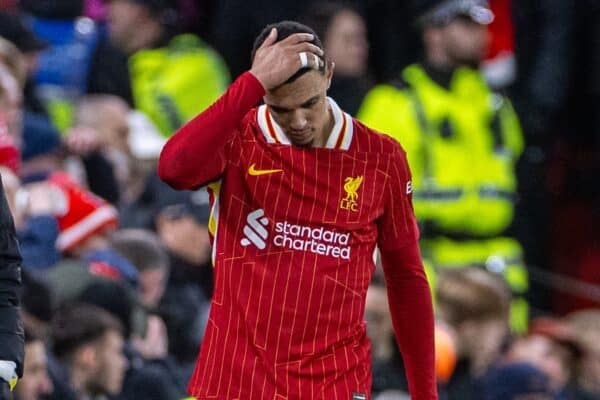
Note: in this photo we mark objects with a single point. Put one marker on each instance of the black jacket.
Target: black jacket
(11, 329)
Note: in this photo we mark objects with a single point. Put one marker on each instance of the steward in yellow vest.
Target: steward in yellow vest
(174, 83)
(462, 141)
(143, 59)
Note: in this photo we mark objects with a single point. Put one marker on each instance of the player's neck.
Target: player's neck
(323, 137)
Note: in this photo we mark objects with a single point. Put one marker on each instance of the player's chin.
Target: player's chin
(302, 139)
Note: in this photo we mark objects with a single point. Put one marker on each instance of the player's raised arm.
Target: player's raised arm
(197, 153)
(408, 291)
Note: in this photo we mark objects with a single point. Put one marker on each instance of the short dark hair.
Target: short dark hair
(284, 30)
(471, 294)
(36, 297)
(142, 247)
(78, 324)
(113, 297)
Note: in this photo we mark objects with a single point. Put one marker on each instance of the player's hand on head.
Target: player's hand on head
(275, 62)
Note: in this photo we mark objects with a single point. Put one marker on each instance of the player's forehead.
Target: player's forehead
(294, 94)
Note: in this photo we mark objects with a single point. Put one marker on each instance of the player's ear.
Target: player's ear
(329, 72)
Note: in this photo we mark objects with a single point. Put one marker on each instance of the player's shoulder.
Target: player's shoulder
(249, 126)
(250, 118)
(369, 139)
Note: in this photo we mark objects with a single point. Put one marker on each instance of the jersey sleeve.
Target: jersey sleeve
(199, 151)
(408, 291)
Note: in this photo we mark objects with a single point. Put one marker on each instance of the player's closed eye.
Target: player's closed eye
(311, 103)
(279, 110)
(307, 104)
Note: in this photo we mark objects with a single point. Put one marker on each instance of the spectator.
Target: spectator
(45, 152)
(114, 297)
(88, 343)
(39, 203)
(344, 34)
(124, 140)
(463, 142)
(14, 29)
(167, 76)
(42, 148)
(179, 227)
(181, 221)
(77, 235)
(100, 137)
(71, 277)
(551, 346)
(151, 374)
(475, 303)
(33, 140)
(62, 217)
(108, 116)
(63, 66)
(35, 382)
(145, 250)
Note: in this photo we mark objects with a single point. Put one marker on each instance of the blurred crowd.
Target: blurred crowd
(117, 275)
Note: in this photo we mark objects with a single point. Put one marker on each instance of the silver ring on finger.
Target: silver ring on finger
(303, 59)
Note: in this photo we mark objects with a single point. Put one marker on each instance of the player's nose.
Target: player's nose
(298, 121)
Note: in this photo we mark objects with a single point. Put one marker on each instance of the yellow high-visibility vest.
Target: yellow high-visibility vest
(462, 145)
(174, 83)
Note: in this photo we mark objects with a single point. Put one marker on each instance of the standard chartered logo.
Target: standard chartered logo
(325, 242)
(254, 230)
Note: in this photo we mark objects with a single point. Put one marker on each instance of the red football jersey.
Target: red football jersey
(294, 231)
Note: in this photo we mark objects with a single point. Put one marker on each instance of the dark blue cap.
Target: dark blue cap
(40, 137)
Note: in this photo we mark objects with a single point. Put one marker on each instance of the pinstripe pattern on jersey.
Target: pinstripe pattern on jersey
(287, 324)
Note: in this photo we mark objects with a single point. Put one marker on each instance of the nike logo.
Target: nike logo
(257, 172)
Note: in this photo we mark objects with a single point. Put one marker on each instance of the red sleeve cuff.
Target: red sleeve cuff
(254, 83)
